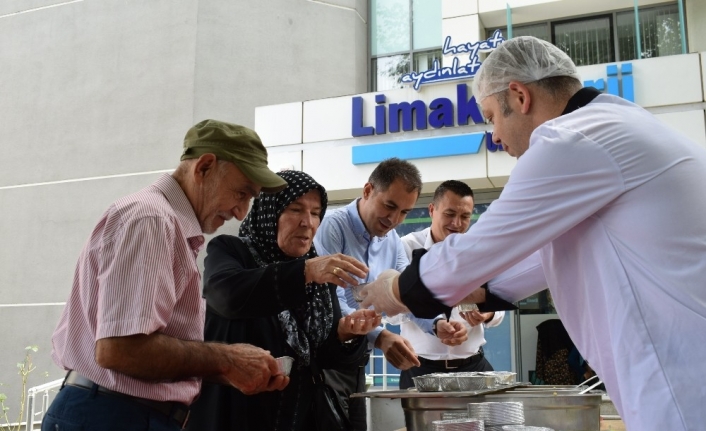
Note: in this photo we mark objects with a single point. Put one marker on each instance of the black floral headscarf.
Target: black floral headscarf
(308, 325)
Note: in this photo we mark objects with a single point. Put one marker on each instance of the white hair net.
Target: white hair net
(524, 59)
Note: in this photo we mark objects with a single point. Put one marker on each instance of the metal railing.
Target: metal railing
(33, 415)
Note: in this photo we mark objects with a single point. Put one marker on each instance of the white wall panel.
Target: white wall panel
(690, 123)
(331, 165)
(668, 80)
(285, 160)
(471, 168)
(279, 124)
(462, 29)
(456, 8)
(327, 119)
(661, 81)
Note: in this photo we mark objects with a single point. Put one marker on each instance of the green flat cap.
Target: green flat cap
(236, 144)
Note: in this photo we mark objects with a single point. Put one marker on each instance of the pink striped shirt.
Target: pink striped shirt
(136, 275)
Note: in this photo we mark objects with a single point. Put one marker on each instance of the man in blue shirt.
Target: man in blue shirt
(365, 229)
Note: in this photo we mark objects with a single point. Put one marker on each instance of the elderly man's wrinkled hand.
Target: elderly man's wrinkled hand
(380, 295)
(253, 370)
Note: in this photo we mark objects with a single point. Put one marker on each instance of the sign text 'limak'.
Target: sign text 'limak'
(414, 114)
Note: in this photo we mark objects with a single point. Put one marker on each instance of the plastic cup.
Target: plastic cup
(357, 290)
(397, 319)
(467, 307)
(285, 364)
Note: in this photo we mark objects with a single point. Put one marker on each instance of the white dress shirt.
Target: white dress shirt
(428, 345)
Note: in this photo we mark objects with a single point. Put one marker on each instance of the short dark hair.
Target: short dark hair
(457, 187)
(557, 87)
(393, 169)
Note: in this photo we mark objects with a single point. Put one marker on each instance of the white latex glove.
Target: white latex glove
(379, 295)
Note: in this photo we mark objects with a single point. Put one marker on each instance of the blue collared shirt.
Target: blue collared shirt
(342, 231)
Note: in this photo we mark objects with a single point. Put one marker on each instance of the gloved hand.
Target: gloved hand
(379, 294)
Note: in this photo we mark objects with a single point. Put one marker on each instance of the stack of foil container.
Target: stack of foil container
(496, 414)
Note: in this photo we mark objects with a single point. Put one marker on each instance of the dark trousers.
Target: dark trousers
(78, 409)
(347, 383)
(477, 363)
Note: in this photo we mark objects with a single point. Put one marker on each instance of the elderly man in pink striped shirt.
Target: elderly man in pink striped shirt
(131, 335)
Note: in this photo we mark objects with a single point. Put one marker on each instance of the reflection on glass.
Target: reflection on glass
(660, 33)
(586, 41)
(539, 303)
(540, 31)
(388, 70)
(426, 23)
(425, 60)
(389, 26)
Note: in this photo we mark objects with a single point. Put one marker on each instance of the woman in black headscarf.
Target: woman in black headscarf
(269, 288)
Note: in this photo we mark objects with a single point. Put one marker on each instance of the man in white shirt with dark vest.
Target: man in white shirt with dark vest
(451, 211)
(613, 199)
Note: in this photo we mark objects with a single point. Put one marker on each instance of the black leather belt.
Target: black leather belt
(175, 411)
(450, 364)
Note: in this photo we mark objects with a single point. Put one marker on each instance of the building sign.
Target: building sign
(618, 84)
(416, 115)
(407, 116)
(456, 70)
(443, 112)
(440, 146)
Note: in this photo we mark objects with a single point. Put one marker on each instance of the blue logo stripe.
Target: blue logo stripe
(419, 149)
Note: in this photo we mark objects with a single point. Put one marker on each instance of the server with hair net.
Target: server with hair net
(613, 200)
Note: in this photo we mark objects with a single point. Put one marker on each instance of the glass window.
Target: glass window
(660, 33)
(425, 60)
(586, 41)
(590, 40)
(540, 31)
(389, 25)
(387, 71)
(539, 303)
(426, 24)
(405, 36)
